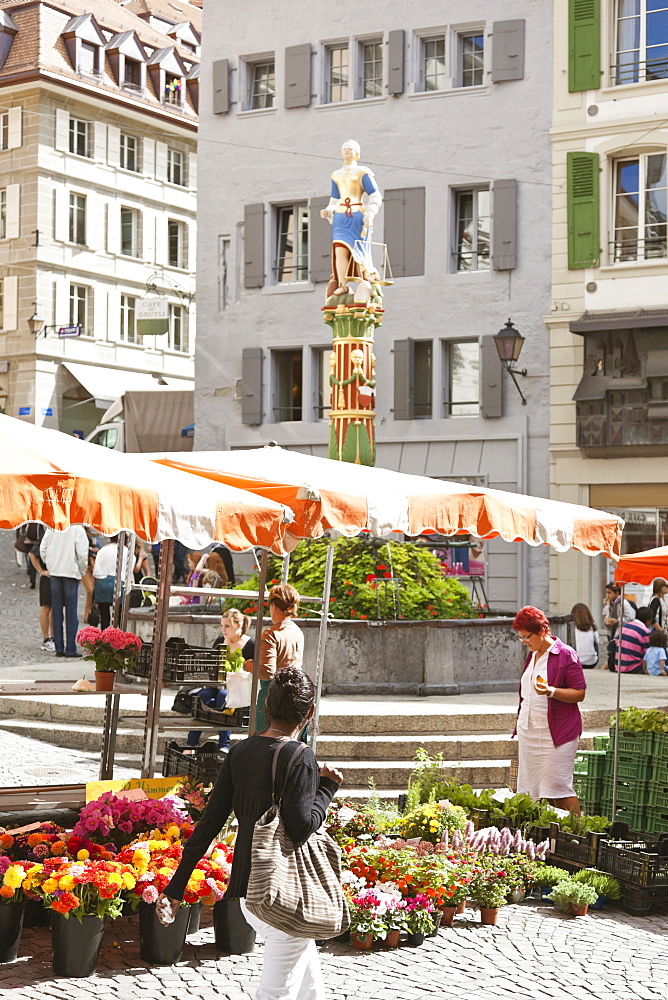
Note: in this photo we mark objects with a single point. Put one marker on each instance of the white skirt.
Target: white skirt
(545, 771)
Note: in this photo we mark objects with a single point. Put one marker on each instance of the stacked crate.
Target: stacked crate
(588, 779)
(642, 780)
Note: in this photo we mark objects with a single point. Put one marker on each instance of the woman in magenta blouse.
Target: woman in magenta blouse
(549, 723)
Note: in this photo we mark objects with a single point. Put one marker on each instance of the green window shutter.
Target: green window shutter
(583, 210)
(584, 44)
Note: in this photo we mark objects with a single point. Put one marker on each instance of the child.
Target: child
(655, 656)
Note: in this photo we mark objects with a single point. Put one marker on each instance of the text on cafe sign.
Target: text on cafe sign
(152, 316)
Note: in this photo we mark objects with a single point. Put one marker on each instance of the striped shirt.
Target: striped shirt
(635, 640)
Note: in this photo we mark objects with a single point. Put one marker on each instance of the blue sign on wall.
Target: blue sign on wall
(24, 411)
(47, 411)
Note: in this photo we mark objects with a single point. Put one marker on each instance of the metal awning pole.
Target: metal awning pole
(157, 659)
(620, 626)
(285, 568)
(322, 639)
(111, 702)
(258, 640)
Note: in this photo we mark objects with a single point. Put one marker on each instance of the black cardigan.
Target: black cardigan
(244, 786)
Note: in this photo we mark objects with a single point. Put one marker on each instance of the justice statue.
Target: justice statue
(353, 308)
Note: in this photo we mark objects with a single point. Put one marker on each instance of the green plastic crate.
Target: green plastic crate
(629, 793)
(630, 767)
(601, 742)
(635, 816)
(588, 787)
(632, 742)
(591, 807)
(659, 770)
(590, 762)
(657, 818)
(657, 795)
(660, 746)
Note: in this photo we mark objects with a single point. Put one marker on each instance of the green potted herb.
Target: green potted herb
(605, 885)
(547, 876)
(573, 897)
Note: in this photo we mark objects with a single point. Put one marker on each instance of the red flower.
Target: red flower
(387, 575)
(369, 577)
(381, 566)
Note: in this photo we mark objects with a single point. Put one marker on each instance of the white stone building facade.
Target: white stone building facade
(451, 106)
(98, 175)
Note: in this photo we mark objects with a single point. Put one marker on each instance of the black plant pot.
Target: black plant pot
(415, 940)
(234, 935)
(160, 945)
(195, 917)
(11, 923)
(343, 938)
(76, 945)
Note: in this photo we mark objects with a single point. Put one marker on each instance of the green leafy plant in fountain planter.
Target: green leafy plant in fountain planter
(571, 896)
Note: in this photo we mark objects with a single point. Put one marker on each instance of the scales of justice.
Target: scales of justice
(354, 307)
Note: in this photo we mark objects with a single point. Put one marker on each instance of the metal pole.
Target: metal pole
(620, 626)
(322, 639)
(157, 659)
(111, 702)
(285, 568)
(258, 641)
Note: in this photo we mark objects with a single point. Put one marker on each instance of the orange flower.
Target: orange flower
(6, 840)
(35, 838)
(6, 891)
(58, 847)
(68, 901)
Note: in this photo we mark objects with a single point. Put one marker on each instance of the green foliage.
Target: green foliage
(581, 825)
(569, 891)
(384, 816)
(549, 874)
(604, 884)
(425, 593)
(640, 720)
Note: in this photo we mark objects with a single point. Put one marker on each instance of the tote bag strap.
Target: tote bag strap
(274, 765)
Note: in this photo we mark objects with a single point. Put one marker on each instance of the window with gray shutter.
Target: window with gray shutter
(251, 379)
(504, 225)
(507, 51)
(491, 379)
(395, 63)
(221, 86)
(404, 376)
(320, 241)
(298, 76)
(254, 246)
(404, 230)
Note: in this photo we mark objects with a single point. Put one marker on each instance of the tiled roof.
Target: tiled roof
(173, 10)
(39, 43)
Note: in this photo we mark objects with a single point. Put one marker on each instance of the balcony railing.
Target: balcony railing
(629, 248)
(637, 71)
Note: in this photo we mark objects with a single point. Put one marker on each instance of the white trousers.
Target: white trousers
(291, 968)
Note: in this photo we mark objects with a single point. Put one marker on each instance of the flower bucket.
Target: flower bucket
(579, 911)
(160, 945)
(195, 917)
(447, 915)
(489, 914)
(516, 895)
(363, 942)
(11, 923)
(75, 945)
(37, 915)
(234, 935)
(104, 680)
(392, 939)
(415, 940)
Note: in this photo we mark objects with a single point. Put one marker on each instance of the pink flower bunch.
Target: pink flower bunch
(111, 649)
(88, 634)
(118, 639)
(120, 820)
(419, 902)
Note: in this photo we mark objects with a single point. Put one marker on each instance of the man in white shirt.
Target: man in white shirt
(65, 554)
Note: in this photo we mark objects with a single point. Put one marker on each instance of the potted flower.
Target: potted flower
(605, 885)
(366, 923)
(431, 820)
(547, 876)
(111, 650)
(12, 906)
(110, 819)
(89, 891)
(489, 887)
(574, 897)
(394, 919)
(419, 920)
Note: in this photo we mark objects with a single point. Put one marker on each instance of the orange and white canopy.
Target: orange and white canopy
(350, 498)
(59, 480)
(643, 567)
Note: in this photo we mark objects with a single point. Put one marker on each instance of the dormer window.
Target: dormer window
(85, 45)
(173, 86)
(127, 59)
(8, 32)
(89, 59)
(132, 74)
(168, 76)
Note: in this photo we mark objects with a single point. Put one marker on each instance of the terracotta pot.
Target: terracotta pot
(447, 915)
(488, 914)
(461, 907)
(363, 942)
(392, 939)
(579, 911)
(104, 680)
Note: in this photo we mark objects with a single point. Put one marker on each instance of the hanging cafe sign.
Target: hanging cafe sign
(152, 316)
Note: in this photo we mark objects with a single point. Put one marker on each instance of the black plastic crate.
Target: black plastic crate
(238, 719)
(570, 847)
(184, 664)
(639, 900)
(641, 866)
(198, 763)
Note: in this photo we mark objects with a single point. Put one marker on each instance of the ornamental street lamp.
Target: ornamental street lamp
(509, 343)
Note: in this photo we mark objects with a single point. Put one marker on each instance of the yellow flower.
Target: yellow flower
(115, 879)
(14, 876)
(66, 882)
(129, 881)
(50, 885)
(173, 831)
(198, 876)
(159, 845)
(83, 855)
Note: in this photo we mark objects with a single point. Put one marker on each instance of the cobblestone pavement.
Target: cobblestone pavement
(31, 762)
(534, 953)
